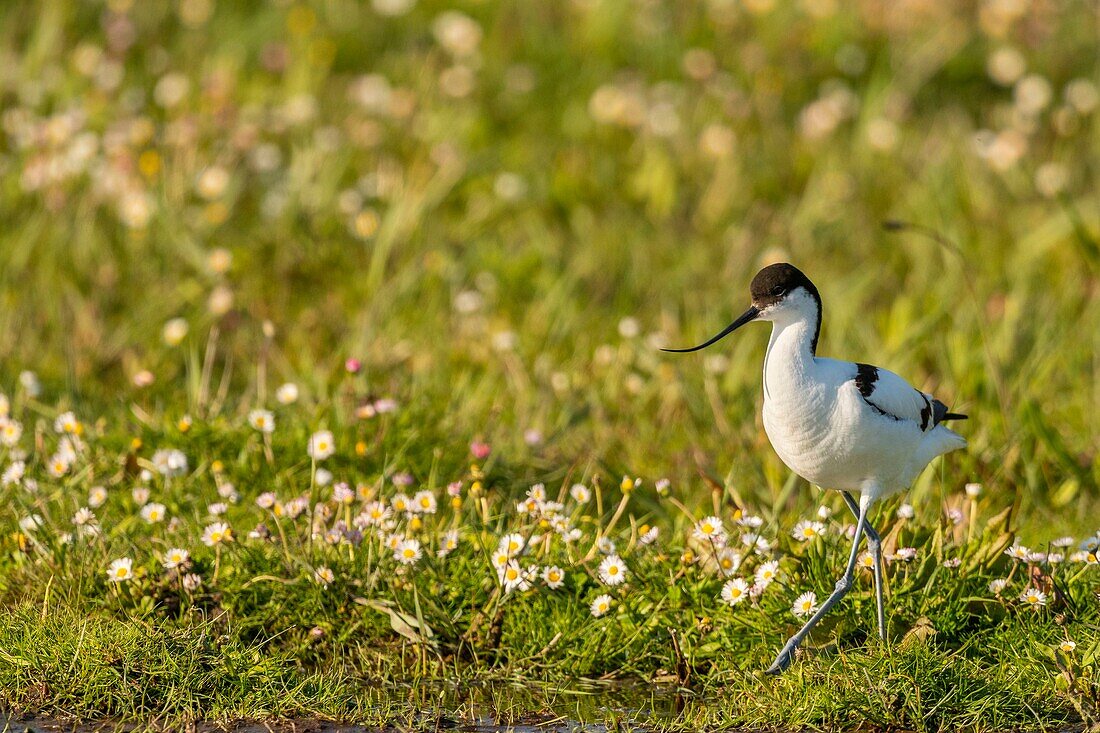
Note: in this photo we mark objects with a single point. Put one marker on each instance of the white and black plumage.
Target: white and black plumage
(840, 425)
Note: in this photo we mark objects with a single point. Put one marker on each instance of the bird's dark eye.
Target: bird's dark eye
(777, 290)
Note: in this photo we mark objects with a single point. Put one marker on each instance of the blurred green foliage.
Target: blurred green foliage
(503, 208)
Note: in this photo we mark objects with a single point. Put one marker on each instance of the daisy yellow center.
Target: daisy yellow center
(708, 528)
(511, 574)
(613, 570)
(554, 577)
(216, 536)
(121, 572)
(735, 592)
(409, 552)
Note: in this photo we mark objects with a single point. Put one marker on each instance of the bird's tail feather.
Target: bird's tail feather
(935, 443)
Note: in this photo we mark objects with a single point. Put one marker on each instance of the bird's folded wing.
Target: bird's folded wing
(893, 397)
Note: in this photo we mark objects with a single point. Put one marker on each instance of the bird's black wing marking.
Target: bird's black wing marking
(865, 379)
(926, 412)
(866, 376)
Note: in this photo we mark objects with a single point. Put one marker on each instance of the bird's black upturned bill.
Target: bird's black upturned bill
(747, 316)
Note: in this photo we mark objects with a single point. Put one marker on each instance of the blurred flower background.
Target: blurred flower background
(500, 210)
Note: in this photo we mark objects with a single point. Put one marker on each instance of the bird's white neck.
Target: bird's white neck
(792, 345)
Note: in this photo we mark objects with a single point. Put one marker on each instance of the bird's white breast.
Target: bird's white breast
(821, 427)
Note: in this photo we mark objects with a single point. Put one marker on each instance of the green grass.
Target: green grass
(503, 233)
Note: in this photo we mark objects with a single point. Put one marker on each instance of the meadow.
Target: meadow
(330, 381)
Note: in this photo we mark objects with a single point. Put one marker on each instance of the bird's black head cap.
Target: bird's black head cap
(775, 282)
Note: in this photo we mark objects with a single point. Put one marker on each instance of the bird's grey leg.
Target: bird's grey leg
(874, 545)
(786, 655)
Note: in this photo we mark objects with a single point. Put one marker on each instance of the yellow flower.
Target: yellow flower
(361, 448)
(149, 163)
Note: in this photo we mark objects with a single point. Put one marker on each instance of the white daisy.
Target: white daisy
(97, 496)
(511, 544)
(805, 604)
(648, 535)
(175, 558)
(613, 570)
(601, 605)
(323, 576)
(424, 502)
(448, 543)
(287, 393)
(10, 432)
(120, 570)
(735, 591)
(152, 512)
(321, 445)
(216, 534)
(408, 552)
(729, 561)
(766, 573)
(807, 530)
(709, 529)
(553, 576)
(262, 420)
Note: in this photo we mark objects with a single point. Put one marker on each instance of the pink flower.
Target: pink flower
(454, 488)
(480, 450)
(353, 366)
